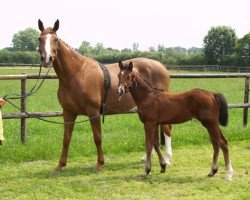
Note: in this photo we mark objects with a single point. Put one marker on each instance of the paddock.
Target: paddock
(27, 168)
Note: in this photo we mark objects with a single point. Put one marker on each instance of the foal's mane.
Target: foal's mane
(148, 83)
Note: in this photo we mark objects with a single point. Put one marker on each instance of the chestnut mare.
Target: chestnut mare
(158, 107)
(81, 86)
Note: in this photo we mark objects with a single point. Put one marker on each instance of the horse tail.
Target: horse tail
(223, 106)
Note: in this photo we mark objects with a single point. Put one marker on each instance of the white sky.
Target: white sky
(119, 23)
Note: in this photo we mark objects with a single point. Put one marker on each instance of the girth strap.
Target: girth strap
(107, 85)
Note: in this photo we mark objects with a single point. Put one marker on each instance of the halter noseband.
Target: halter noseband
(127, 86)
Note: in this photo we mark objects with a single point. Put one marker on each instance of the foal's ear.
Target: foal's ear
(130, 66)
(40, 25)
(56, 26)
(120, 65)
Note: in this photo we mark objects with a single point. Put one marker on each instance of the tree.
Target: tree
(26, 40)
(85, 48)
(219, 44)
(135, 46)
(243, 50)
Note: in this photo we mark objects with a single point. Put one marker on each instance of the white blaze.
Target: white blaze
(47, 47)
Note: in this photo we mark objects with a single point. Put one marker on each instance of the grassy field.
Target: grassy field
(26, 169)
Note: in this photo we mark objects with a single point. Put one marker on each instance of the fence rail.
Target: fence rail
(213, 68)
(24, 77)
(203, 68)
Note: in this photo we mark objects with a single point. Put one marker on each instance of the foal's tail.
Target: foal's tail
(222, 102)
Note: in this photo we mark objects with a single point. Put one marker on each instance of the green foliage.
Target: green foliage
(26, 40)
(27, 57)
(221, 47)
(243, 50)
(219, 43)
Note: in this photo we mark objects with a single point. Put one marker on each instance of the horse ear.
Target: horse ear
(120, 64)
(40, 25)
(130, 67)
(56, 26)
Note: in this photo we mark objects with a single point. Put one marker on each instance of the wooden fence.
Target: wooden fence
(212, 68)
(24, 77)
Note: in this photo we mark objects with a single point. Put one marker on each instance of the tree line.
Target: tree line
(221, 46)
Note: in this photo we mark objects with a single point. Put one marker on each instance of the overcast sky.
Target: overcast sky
(119, 23)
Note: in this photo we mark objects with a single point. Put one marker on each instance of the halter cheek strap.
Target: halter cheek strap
(127, 86)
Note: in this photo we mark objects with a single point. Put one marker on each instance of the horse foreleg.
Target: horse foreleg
(69, 120)
(149, 132)
(224, 147)
(167, 135)
(96, 128)
(158, 150)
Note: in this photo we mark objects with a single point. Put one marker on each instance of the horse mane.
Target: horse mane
(150, 84)
(71, 48)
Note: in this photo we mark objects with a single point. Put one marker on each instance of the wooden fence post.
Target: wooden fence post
(246, 101)
(23, 109)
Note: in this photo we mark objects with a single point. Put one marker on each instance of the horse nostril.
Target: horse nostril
(50, 59)
(120, 91)
(42, 58)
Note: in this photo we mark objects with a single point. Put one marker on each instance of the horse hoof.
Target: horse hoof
(163, 168)
(98, 168)
(58, 169)
(213, 172)
(144, 174)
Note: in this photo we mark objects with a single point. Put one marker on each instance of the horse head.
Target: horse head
(126, 77)
(48, 43)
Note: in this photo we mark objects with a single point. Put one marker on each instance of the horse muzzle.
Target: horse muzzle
(121, 90)
(47, 62)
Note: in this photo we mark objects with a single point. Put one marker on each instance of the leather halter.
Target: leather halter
(127, 86)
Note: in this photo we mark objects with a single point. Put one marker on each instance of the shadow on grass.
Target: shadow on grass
(115, 173)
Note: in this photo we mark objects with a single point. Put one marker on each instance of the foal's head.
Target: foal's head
(126, 77)
(48, 42)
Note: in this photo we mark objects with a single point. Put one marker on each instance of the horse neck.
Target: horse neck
(67, 62)
(139, 90)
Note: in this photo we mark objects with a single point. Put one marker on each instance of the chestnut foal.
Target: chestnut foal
(158, 107)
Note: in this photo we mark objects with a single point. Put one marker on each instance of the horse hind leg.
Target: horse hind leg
(223, 145)
(167, 135)
(214, 168)
(96, 129)
(219, 141)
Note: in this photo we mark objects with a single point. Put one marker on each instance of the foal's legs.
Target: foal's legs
(149, 133)
(167, 135)
(219, 140)
(224, 147)
(158, 150)
(68, 128)
(215, 144)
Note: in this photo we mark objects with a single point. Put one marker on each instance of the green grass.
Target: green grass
(186, 178)
(26, 169)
